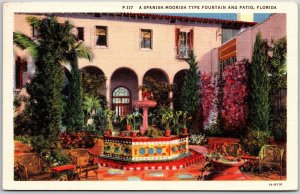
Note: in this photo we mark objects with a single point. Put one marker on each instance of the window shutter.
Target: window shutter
(176, 39)
(191, 39)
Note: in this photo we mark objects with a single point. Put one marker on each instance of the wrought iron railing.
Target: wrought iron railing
(183, 51)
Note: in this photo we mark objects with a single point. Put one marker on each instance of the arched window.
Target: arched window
(121, 101)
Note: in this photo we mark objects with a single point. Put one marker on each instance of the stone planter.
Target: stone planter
(228, 168)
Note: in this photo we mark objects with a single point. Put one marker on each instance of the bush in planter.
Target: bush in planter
(254, 140)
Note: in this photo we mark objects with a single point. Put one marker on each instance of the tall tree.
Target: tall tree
(74, 117)
(191, 94)
(51, 49)
(259, 102)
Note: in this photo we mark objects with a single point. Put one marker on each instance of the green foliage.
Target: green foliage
(254, 140)
(90, 105)
(278, 81)
(159, 90)
(42, 145)
(22, 123)
(191, 93)
(214, 130)
(278, 64)
(100, 121)
(56, 158)
(25, 42)
(153, 132)
(45, 88)
(92, 86)
(74, 117)
(26, 139)
(198, 139)
(259, 102)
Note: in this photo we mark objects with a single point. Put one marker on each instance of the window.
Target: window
(146, 39)
(21, 73)
(101, 35)
(121, 101)
(228, 34)
(184, 43)
(80, 33)
(223, 64)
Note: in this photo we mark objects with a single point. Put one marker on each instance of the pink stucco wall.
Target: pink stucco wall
(272, 28)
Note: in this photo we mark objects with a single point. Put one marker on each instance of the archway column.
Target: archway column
(140, 82)
(171, 97)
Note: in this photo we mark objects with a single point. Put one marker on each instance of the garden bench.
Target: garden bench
(32, 167)
(85, 162)
(271, 156)
(69, 168)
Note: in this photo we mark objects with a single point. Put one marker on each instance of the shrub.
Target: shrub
(26, 139)
(76, 140)
(56, 158)
(197, 139)
(234, 107)
(209, 101)
(259, 83)
(22, 124)
(254, 140)
(190, 98)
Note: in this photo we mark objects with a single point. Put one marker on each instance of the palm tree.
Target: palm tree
(54, 47)
(91, 104)
(69, 44)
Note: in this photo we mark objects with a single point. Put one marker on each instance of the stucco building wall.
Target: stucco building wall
(273, 28)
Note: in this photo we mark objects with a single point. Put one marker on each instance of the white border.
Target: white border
(9, 9)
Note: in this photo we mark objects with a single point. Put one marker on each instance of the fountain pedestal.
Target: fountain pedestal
(145, 104)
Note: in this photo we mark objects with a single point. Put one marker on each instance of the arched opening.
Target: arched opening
(157, 80)
(124, 86)
(157, 74)
(121, 100)
(93, 81)
(178, 80)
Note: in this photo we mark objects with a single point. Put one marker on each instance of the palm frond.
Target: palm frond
(34, 21)
(24, 42)
(84, 52)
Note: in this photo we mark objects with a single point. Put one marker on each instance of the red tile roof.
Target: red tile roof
(184, 19)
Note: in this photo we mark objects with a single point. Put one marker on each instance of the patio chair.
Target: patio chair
(84, 161)
(31, 167)
(271, 156)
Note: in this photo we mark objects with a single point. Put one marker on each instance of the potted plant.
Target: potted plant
(176, 122)
(184, 120)
(128, 119)
(135, 116)
(109, 117)
(166, 119)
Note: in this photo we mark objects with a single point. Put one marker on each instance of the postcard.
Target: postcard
(150, 96)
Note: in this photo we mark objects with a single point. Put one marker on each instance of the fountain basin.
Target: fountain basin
(144, 103)
(138, 149)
